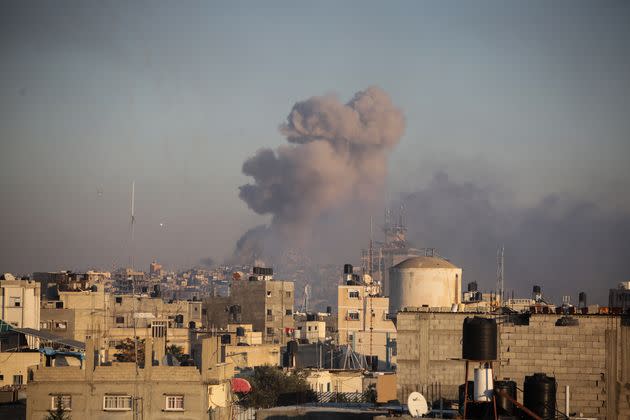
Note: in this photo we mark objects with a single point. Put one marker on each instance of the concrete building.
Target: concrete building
(109, 319)
(120, 390)
(20, 304)
(362, 319)
(593, 358)
(620, 297)
(14, 367)
(261, 300)
(424, 281)
(341, 381)
(310, 330)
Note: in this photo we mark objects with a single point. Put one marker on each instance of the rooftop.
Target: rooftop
(425, 262)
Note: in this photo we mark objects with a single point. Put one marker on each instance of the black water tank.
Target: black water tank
(536, 290)
(472, 286)
(328, 309)
(347, 269)
(505, 407)
(179, 319)
(240, 332)
(539, 395)
(462, 389)
(256, 270)
(479, 339)
(311, 317)
(192, 325)
(226, 339)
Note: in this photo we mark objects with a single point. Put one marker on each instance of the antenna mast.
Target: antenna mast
(133, 277)
(500, 285)
(371, 250)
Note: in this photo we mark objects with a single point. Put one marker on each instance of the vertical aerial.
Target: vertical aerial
(500, 285)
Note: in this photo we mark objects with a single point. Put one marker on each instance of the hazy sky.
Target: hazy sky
(530, 98)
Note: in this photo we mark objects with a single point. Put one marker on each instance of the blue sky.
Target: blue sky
(527, 97)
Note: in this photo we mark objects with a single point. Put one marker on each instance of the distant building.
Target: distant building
(362, 320)
(109, 319)
(261, 300)
(20, 304)
(155, 270)
(620, 297)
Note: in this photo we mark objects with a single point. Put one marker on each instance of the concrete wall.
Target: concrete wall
(591, 358)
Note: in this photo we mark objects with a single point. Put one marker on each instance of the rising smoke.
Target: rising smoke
(562, 244)
(336, 158)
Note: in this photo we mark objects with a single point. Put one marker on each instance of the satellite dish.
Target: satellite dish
(417, 405)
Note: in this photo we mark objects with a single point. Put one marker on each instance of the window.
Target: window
(158, 328)
(353, 294)
(15, 301)
(117, 403)
(1, 377)
(118, 299)
(58, 305)
(43, 325)
(288, 295)
(269, 312)
(353, 316)
(61, 325)
(18, 379)
(268, 293)
(269, 331)
(309, 328)
(289, 312)
(174, 403)
(120, 320)
(66, 402)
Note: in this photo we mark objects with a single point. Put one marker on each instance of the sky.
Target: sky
(526, 99)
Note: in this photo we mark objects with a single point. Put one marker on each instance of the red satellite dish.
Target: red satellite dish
(240, 385)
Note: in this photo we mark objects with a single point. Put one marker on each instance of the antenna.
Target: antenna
(500, 269)
(371, 251)
(133, 277)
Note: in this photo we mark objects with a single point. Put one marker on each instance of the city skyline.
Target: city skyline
(514, 113)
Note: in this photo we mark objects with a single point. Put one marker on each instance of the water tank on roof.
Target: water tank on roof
(347, 269)
(505, 407)
(419, 281)
(472, 286)
(240, 331)
(539, 395)
(479, 339)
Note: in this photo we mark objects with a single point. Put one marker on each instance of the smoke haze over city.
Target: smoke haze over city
(494, 123)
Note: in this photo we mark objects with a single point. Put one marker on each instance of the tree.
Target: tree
(273, 387)
(177, 352)
(126, 351)
(58, 413)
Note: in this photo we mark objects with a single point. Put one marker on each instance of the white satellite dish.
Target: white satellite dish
(417, 405)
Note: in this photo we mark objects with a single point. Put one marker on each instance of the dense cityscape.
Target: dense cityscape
(314, 210)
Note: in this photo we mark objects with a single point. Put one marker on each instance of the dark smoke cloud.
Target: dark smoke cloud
(562, 244)
(336, 156)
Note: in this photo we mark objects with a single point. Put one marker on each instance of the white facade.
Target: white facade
(20, 304)
(424, 281)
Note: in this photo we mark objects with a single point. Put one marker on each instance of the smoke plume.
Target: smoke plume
(336, 156)
(562, 244)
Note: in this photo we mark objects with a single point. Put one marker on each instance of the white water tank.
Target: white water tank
(483, 384)
(424, 281)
